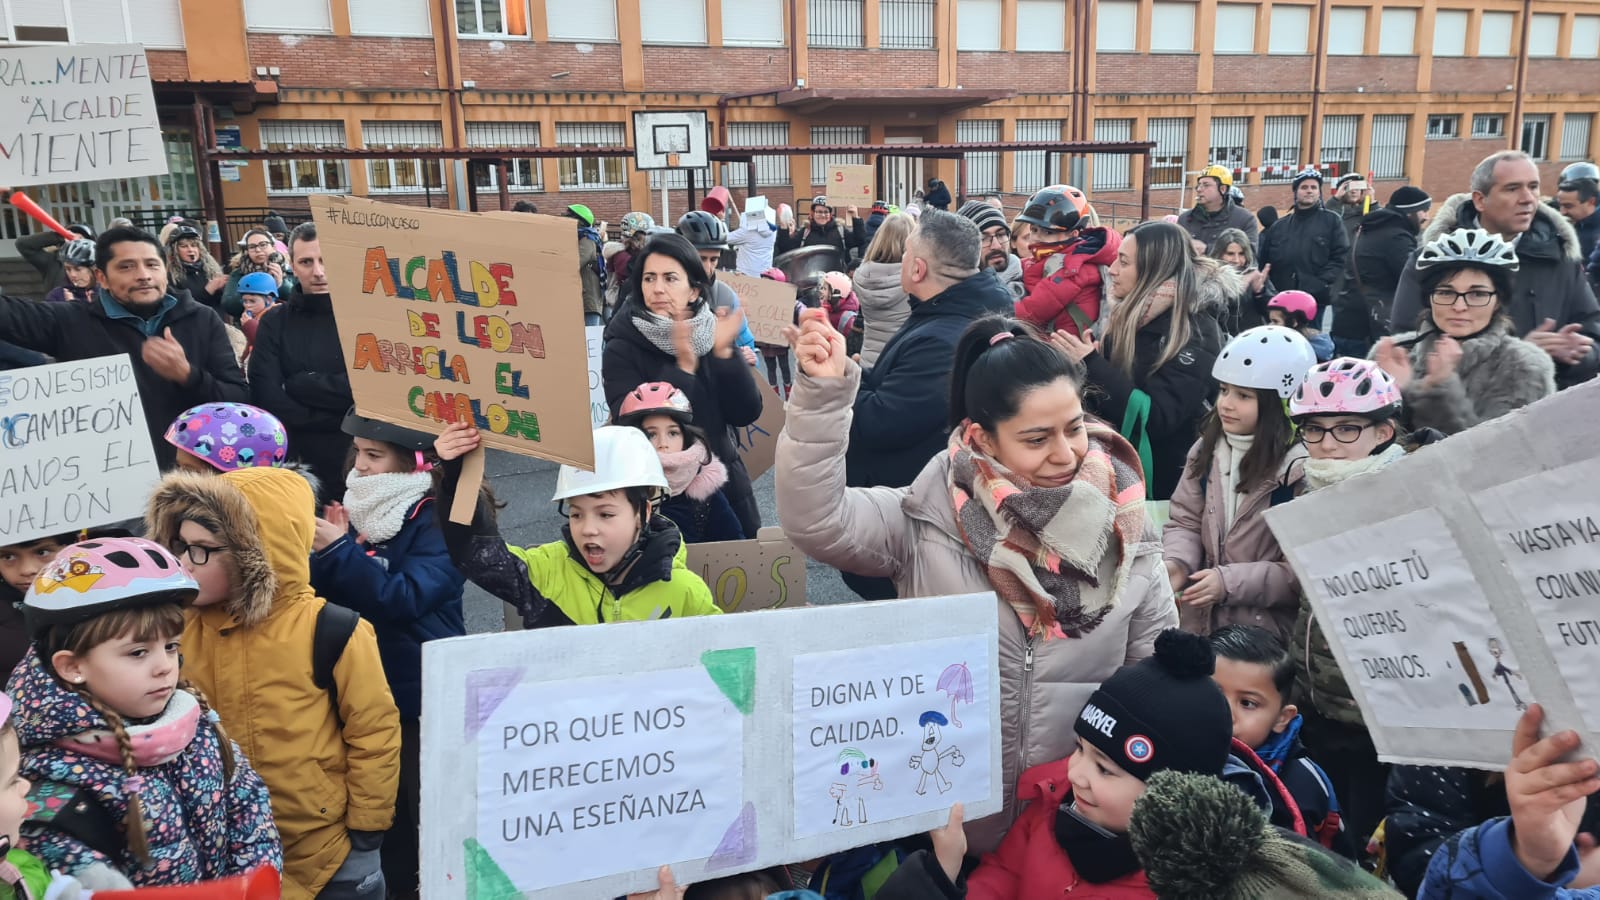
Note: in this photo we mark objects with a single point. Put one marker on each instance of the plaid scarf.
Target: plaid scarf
(1039, 545)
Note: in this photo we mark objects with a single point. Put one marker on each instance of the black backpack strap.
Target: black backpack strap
(78, 813)
(335, 625)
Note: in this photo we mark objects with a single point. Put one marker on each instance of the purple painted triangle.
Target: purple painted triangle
(738, 845)
(486, 689)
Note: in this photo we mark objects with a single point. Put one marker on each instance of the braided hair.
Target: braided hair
(133, 819)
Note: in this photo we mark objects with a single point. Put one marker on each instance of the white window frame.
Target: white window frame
(978, 25)
(1170, 155)
(1041, 26)
(1449, 126)
(1490, 44)
(1577, 130)
(123, 29)
(600, 34)
(1236, 28)
(501, 35)
(1289, 30)
(1393, 23)
(753, 23)
(281, 134)
(525, 174)
(571, 172)
(1121, 15)
(1539, 127)
(388, 18)
(1166, 35)
(271, 12)
(1344, 38)
(1450, 32)
(425, 174)
(1481, 123)
(657, 16)
(1280, 157)
(1112, 171)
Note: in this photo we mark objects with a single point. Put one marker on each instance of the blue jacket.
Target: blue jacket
(407, 588)
(1480, 863)
(1310, 787)
(900, 411)
(703, 521)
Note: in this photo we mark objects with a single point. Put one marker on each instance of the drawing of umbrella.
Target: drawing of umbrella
(956, 680)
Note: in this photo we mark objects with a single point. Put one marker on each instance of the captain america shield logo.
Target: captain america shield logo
(1139, 749)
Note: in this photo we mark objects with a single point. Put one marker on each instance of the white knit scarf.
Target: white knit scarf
(1321, 473)
(378, 503)
(1230, 457)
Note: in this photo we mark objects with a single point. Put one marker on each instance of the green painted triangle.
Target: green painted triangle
(734, 671)
(485, 879)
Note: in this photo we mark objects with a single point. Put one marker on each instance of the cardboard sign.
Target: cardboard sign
(77, 448)
(758, 441)
(765, 573)
(82, 112)
(450, 317)
(849, 185)
(1456, 588)
(768, 305)
(599, 410)
(714, 744)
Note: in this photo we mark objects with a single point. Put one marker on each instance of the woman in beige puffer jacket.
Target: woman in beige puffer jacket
(912, 535)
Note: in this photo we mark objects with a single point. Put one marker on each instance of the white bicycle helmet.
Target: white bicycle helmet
(1468, 245)
(623, 458)
(1269, 357)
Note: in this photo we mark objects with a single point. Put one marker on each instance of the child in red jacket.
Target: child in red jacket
(1062, 276)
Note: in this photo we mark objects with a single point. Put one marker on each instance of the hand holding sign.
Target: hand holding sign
(1547, 797)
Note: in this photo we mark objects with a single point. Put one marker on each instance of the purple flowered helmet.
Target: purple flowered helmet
(230, 436)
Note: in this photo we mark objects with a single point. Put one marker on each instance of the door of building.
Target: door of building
(902, 175)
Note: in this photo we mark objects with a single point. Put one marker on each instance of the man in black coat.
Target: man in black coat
(180, 353)
(938, 196)
(1378, 255)
(1307, 248)
(297, 369)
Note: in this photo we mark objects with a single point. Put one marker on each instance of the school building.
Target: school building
(1408, 90)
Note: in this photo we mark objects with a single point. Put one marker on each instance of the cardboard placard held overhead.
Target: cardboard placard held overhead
(714, 744)
(1456, 587)
(849, 185)
(758, 441)
(450, 317)
(764, 573)
(768, 305)
(77, 112)
(77, 448)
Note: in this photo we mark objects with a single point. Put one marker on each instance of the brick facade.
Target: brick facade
(1255, 73)
(363, 63)
(869, 68)
(1132, 73)
(1033, 72)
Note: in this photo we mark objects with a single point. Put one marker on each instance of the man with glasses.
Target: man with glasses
(996, 244)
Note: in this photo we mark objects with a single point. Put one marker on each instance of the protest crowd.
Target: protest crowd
(1089, 423)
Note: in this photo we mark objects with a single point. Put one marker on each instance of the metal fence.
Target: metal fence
(905, 24)
(1171, 137)
(1028, 172)
(1280, 148)
(835, 23)
(983, 168)
(1388, 159)
(1230, 145)
(1339, 142)
(1112, 171)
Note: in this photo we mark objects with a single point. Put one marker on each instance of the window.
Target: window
(1172, 27)
(1585, 37)
(1485, 125)
(1397, 32)
(834, 136)
(1029, 174)
(771, 171)
(401, 175)
(753, 23)
(590, 20)
(1494, 34)
(1389, 146)
(1115, 24)
(1290, 30)
(983, 169)
(1041, 25)
(315, 176)
(592, 171)
(291, 16)
(154, 23)
(1280, 148)
(1338, 154)
(1536, 135)
(492, 18)
(1450, 32)
(521, 174)
(905, 24)
(1444, 128)
(1347, 31)
(1575, 129)
(390, 18)
(1171, 137)
(40, 22)
(1543, 34)
(672, 22)
(833, 23)
(977, 24)
(1236, 28)
(1111, 170)
(1230, 145)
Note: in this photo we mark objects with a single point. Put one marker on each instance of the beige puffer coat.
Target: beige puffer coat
(910, 534)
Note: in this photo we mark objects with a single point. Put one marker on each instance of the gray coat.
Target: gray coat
(1498, 372)
(884, 306)
(1206, 227)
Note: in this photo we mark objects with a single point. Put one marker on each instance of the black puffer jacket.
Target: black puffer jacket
(297, 373)
(833, 234)
(1549, 283)
(1382, 248)
(1307, 250)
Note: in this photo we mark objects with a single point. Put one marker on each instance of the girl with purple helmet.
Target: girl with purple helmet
(221, 437)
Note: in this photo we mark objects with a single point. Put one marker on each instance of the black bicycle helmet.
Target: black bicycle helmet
(1052, 208)
(357, 425)
(77, 252)
(704, 230)
(183, 233)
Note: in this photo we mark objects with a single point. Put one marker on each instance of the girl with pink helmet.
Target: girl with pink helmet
(695, 477)
(221, 437)
(1298, 310)
(105, 721)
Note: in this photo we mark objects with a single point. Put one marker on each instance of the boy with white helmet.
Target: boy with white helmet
(618, 559)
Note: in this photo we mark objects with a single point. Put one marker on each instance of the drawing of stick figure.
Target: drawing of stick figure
(929, 758)
(1505, 672)
(858, 773)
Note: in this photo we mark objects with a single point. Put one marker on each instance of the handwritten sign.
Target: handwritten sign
(764, 573)
(579, 775)
(758, 441)
(450, 317)
(850, 184)
(77, 113)
(1454, 595)
(77, 449)
(599, 411)
(768, 305)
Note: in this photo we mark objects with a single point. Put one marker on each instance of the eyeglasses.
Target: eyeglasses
(197, 554)
(258, 245)
(998, 238)
(1447, 297)
(1344, 434)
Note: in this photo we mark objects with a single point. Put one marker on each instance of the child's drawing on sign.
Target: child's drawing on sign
(956, 681)
(1504, 672)
(858, 774)
(930, 757)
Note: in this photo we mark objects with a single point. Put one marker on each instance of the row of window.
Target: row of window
(1289, 30)
(1536, 131)
(158, 23)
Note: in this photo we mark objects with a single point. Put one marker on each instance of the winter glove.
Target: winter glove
(363, 867)
(96, 877)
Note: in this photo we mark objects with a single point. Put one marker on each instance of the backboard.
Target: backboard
(670, 140)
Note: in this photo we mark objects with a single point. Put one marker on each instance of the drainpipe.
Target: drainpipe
(1319, 59)
(452, 90)
(1514, 133)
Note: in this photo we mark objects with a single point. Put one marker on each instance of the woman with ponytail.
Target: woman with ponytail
(106, 725)
(1032, 499)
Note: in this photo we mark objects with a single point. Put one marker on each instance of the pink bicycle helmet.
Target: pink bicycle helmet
(230, 436)
(94, 577)
(1344, 386)
(654, 398)
(775, 274)
(1295, 302)
(838, 282)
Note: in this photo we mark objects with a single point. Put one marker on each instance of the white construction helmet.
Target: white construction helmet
(623, 458)
(1268, 357)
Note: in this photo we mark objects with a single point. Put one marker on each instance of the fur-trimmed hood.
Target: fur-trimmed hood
(1550, 232)
(1218, 284)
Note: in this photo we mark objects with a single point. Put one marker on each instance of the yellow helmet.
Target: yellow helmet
(1219, 173)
